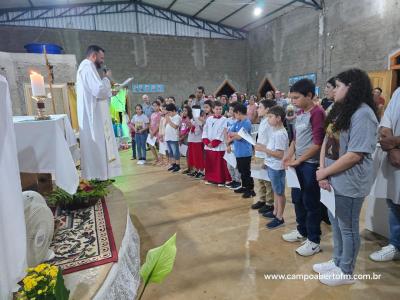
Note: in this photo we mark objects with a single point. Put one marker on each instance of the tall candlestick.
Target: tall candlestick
(37, 83)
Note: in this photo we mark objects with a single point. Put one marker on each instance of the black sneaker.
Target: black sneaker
(177, 168)
(258, 205)
(187, 171)
(172, 167)
(275, 223)
(228, 185)
(269, 215)
(192, 174)
(265, 209)
(235, 186)
(241, 190)
(199, 175)
(248, 194)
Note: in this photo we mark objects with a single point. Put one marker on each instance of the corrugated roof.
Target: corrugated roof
(234, 13)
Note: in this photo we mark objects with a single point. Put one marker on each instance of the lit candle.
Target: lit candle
(37, 83)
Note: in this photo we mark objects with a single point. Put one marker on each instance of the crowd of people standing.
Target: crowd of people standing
(329, 143)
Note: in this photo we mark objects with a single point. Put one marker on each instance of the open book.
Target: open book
(124, 84)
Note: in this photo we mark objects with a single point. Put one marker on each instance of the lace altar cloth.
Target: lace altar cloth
(123, 279)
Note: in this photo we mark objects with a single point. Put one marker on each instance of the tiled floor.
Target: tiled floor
(224, 250)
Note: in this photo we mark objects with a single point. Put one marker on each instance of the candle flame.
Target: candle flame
(35, 73)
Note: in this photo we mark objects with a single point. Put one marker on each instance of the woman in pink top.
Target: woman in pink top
(154, 127)
(252, 109)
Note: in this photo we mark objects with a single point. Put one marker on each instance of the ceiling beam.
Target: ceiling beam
(313, 3)
(318, 4)
(269, 14)
(119, 7)
(236, 11)
(172, 4)
(203, 8)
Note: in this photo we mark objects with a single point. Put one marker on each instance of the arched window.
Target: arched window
(264, 87)
(226, 88)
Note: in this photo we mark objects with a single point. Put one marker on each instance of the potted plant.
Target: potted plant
(87, 194)
(44, 282)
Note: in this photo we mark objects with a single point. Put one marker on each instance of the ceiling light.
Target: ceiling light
(257, 11)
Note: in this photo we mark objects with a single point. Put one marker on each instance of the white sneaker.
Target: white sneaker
(293, 236)
(336, 277)
(139, 162)
(324, 267)
(387, 253)
(308, 248)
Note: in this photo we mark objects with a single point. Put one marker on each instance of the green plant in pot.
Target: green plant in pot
(87, 194)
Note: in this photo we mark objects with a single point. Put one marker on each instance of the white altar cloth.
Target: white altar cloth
(45, 147)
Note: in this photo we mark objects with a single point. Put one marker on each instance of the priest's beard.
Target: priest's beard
(98, 64)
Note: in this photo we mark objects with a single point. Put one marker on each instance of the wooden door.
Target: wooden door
(384, 80)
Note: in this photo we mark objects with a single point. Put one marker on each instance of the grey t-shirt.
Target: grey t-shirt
(361, 137)
(309, 131)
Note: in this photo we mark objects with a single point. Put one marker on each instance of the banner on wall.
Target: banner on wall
(311, 76)
(141, 88)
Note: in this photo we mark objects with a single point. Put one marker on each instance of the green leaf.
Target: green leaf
(60, 290)
(159, 262)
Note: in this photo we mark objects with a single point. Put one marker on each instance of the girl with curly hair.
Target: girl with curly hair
(346, 166)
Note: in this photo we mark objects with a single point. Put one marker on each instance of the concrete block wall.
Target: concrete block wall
(360, 33)
(181, 64)
(16, 68)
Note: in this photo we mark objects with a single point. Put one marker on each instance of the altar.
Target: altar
(48, 146)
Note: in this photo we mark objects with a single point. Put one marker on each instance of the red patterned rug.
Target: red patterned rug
(83, 239)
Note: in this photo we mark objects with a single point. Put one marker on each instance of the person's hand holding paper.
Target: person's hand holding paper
(246, 136)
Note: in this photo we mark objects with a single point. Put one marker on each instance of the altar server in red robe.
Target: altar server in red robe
(216, 171)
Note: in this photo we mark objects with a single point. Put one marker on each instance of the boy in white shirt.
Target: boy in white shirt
(173, 121)
(277, 145)
(265, 204)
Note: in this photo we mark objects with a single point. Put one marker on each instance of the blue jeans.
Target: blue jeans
(141, 145)
(345, 229)
(307, 202)
(173, 150)
(394, 223)
(133, 148)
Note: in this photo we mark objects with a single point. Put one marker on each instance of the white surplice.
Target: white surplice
(215, 129)
(12, 220)
(99, 151)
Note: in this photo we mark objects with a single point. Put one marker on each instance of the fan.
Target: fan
(39, 228)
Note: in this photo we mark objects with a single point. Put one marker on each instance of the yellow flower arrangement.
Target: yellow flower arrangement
(40, 283)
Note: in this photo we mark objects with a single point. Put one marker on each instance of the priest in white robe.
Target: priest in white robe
(388, 178)
(99, 151)
(12, 221)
